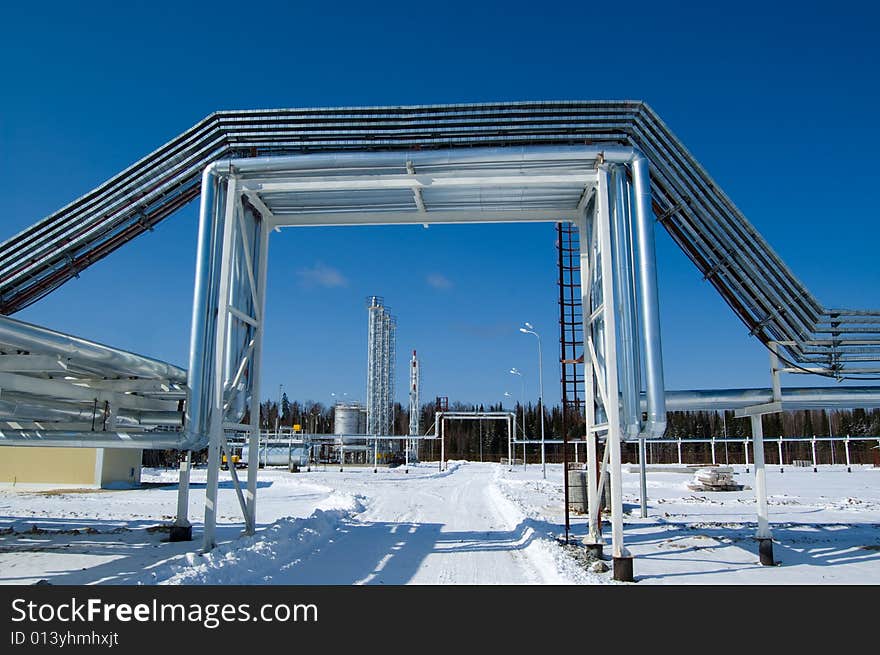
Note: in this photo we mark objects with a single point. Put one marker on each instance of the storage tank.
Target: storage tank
(349, 419)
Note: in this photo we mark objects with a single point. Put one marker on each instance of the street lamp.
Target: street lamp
(529, 329)
(522, 402)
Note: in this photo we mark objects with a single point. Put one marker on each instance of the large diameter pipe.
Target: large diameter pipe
(28, 408)
(24, 407)
(56, 389)
(86, 439)
(650, 306)
(792, 398)
(38, 339)
(628, 348)
(203, 325)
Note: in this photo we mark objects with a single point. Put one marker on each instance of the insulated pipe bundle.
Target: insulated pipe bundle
(626, 292)
(704, 222)
(453, 185)
(635, 297)
(203, 331)
(27, 337)
(61, 390)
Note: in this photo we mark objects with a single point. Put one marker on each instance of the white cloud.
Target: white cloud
(439, 281)
(321, 275)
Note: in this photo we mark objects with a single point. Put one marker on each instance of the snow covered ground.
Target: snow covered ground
(473, 524)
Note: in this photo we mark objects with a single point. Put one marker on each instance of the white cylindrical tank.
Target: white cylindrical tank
(347, 419)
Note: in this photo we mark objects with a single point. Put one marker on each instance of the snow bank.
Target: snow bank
(553, 564)
(256, 559)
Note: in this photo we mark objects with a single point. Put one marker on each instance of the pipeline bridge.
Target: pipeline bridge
(727, 250)
(610, 168)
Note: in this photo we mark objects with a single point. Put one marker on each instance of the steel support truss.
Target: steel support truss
(243, 200)
(621, 335)
(227, 335)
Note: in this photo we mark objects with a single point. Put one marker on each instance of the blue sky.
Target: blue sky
(777, 100)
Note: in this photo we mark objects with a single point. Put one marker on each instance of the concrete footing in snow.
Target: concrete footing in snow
(765, 552)
(623, 569)
(180, 533)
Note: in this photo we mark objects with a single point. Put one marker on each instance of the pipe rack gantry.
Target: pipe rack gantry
(762, 291)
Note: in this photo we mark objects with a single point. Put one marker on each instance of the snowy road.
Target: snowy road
(473, 524)
(391, 527)
(449, 528)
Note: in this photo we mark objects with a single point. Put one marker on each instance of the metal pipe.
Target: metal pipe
(784, 440)
(144, 187)
(643, 482)
(540, 395)
(593, 538)
(682, 177)
(63, 389)
(182, 530)
(611, 379)
(38, 409)
(792, 398)
(442, 442)
(88, 439)
(149, 419)
(262, 242)
(203, 321)
(650, 304)
(511, 158)
(630, 375)
(765, 543)
(37, 339)
(216, 355)
(509, 443)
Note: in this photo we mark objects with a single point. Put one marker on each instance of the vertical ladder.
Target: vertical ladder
(571, 324)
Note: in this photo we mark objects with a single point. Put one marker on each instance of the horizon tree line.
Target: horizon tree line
(487, 440)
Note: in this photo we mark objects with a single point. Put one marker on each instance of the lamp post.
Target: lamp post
(522, 402)
(529, 329)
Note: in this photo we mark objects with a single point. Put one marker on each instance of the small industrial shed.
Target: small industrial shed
(80, 467)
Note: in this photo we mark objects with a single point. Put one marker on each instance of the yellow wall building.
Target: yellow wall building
(83, 467)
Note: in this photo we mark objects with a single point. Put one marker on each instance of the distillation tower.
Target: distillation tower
(414, 422)
(381, 358)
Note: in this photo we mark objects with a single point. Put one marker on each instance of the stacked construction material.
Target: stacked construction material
(718, 478)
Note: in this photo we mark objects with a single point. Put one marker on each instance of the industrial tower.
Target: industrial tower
(414, 413)
(381, 358)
